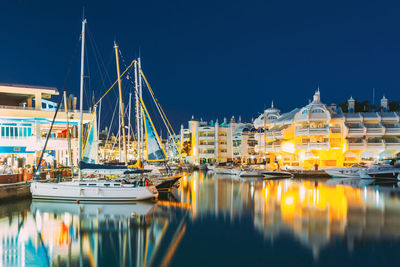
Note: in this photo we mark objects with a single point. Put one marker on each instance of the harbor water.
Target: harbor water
(212, 221)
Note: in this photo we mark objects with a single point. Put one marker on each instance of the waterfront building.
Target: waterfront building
(325, 136)
(26, 113)
(214, 142)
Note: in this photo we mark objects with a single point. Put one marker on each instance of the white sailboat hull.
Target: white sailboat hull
(228, 171)
(350, 172)
(92, 191)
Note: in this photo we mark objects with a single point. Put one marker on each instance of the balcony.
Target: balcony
(393, 145)
(377, 145)
(206, 155)
(392, 131)
(312, 131)
(312, 145)
(267, 148)
(356, 146)
(206, 137)
(206, 146)
(356, 131)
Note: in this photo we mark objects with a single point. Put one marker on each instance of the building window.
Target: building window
(317, 111)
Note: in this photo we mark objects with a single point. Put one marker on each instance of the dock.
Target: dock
(310, 174)
(15, 190)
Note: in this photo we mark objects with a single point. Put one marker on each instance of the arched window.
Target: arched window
(305, 111)
(317, 110)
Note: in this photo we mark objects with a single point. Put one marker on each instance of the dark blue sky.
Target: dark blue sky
(212, 58)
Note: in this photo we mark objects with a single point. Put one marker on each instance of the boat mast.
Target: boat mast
(129, 120)
(80, 133)
(121, 104)
(68, 133)
(137, 112)
(141, 119)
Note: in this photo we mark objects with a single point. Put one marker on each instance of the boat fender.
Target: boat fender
(147, 183)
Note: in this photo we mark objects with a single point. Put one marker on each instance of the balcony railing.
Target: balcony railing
(312, 145)
(312, 131)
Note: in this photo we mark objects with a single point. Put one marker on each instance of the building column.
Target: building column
(38, 101)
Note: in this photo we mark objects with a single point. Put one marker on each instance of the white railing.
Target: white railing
(312, 145)
(356, 146)
(206, 146)
(357, 131)
(392, 145)
(394, 131)
(312, 131)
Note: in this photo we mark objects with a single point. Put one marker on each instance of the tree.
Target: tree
(187, 148)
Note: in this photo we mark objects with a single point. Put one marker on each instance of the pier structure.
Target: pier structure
(318, 135)
(26, 114)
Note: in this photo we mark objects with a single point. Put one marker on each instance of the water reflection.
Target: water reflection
(71, 234)
(157, 233)
(315, 213)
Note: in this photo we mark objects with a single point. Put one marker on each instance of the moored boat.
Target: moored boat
(93, 190)
(277, 174)
(251, 173)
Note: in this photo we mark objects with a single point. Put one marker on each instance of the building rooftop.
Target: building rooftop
(26, 86)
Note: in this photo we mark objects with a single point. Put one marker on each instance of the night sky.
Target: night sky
(210, 58)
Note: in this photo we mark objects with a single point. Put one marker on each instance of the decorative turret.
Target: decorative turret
(317, 96)
(384, 103)
(351, 103)
(233, 119)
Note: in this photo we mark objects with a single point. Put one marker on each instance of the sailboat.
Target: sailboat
(91, 189)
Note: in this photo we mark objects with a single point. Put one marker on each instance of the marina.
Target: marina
(217, 133)
(217, 213)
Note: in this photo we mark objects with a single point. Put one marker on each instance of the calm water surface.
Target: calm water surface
(212, 221)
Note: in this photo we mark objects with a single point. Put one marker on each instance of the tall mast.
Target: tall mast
(137, 112)
(141, 110)
(80, 133)
(129, 120)
(68, 133)
(121, 104)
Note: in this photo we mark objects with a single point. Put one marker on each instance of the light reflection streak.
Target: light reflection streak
(312, 212)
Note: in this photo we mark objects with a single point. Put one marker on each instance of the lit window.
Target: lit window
(317, 111)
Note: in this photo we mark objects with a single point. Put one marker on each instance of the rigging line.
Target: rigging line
(59, 105)
(99, 60)
(162, 111)
(112, 119)
(109, 89)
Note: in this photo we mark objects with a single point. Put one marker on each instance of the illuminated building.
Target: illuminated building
(26, 114)
(219, 142)
(326, 136)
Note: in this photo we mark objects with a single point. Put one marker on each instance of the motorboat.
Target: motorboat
(347, 172)
(94, 190)
(390, 170)
(251, 173)
(277, 174)
(383, 173)
(227, 170)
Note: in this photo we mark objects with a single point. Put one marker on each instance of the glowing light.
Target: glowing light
(288, 147)
(289, 201)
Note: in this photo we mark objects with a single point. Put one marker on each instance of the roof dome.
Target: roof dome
(315, 111)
